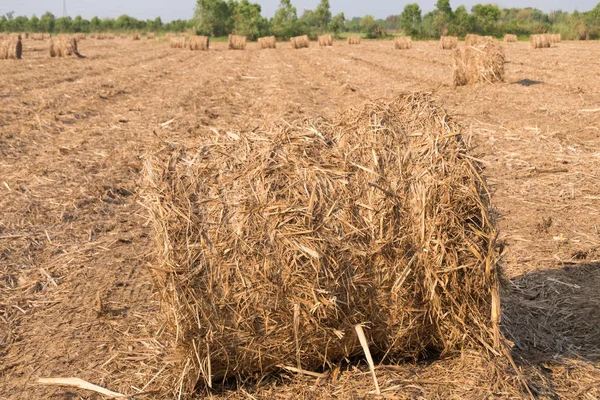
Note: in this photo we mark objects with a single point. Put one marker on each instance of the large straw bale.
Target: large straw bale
(63, 46)
(403, 43)
(353, 39)
(177, 42)
(325, 40)
(199, 42)
(268, 42)
(481, 63)
(300, 42)
(509, 38)
(540, 41)
(274, 244)
(237, 42)
(449, 42)
(11, 48)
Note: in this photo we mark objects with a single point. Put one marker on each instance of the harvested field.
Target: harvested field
(77, 258)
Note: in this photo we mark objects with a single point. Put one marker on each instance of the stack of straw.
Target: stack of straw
(479, 63)
(199, 42)
(300, 42)
(11, 48)
(237, 42)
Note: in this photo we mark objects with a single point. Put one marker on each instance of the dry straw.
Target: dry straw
(325, 40)
(63, 46)
(300, 42)
(508, 38)
(11, 48)
(237, 42)
(353, 39)
(136, 36)
(449, 42)
(268, 42)
(150, 35)
(480, 63)
(274, 244)
(403, 43)
(555, 38)
(199, 42)
(540, 41)
(475, 40)
(37, 36)
(177, 42)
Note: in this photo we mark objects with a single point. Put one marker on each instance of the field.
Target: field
(76, 297)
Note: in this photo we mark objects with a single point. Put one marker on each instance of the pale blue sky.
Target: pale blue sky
(174, 9)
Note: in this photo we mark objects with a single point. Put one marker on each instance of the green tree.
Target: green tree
(63, 25)
(248, 21)
(95, 24)
(486, 16)
(34, 24)
(462, 23)
(443, 16)
(285, 22)
(368, 24)
(410, 19)
(47, 22)
(213, 17)
(337, 24)
(322, 14)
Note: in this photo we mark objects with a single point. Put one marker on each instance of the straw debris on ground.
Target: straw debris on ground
(273, 244)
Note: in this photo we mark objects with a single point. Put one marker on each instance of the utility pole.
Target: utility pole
(64, 8)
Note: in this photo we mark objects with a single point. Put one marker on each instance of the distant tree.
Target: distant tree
(34, 24)
(248, 21)
(47, 22)
(486, 16)
(463, 22)
(337, 24)
(410, 19)
(285, 22)
(443, 16)
(322, 14)
(213, 17)
(18, 24)
(95, 24)
(368, 24)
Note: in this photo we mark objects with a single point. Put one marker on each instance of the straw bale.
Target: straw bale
(177, 42)
(539, 41)
(199, 42)
(449, 42)
(237, 42)
(325, 40)
(481, 63)
(475, 40)
(300, 42)
(353, 39)
(11, 48)
(508, 38)
(63, 46)
(37, 36)
(150, 35)
(273, 244)
(555, 38)
(268, 42)
(403, 43)
(136, 36)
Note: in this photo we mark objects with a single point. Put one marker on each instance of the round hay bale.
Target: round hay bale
(11, 48)
(177, 42)
(449, 42)
(150, 35)
(475, 40)
(539, 41)
(274, 245)
(199, 42)
(325, 40)
(300, 42)
(509, 38)
(482, 63)
(403, 43)
(63, 46)
(353, 39)
(268, 42)
(136, 36)
(237, 42)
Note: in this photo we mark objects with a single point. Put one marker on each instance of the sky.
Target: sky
(184, 9)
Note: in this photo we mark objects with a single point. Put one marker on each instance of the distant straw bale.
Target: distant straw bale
(11, 47)
(539, 41)
(199, 42)
(555, 38)
(150, 35)
(177, 42)
(274, 244)
(325, 40)
(300, 42)
(268, 42)
(237, 42)
(509, 38)
(403, 43)
(449, 42)
(481, 63)
(79, 36)
(63, 46)
(353, 39)
(37, 36)
(475, 40)
(136, 36)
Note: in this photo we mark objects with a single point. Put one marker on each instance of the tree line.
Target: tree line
(241, 17)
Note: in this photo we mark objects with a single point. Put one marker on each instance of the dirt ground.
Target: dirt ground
(76, 297)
